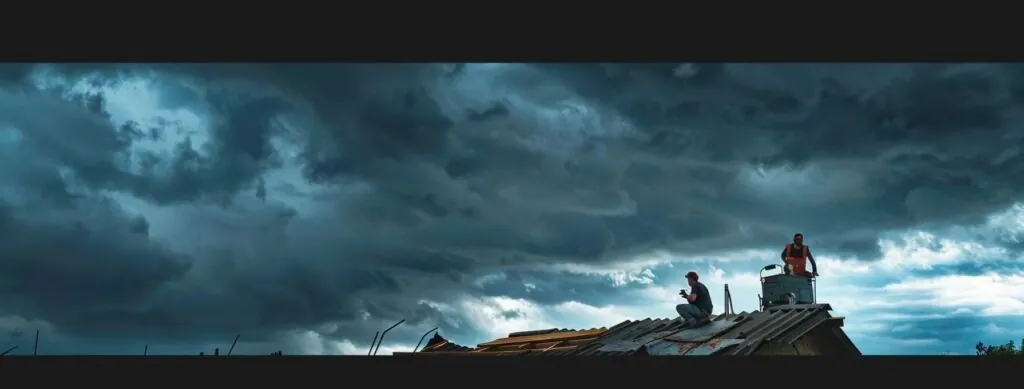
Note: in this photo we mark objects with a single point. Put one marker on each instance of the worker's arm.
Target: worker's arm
(692, 296)
(783, 256)
(814, 266)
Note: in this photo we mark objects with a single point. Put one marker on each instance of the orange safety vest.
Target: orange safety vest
(799, 264)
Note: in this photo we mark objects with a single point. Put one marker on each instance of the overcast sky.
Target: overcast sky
(307, 207)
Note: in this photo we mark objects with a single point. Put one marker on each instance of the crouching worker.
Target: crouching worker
(699, 306)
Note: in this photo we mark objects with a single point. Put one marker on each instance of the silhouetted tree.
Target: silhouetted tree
(1004, 349)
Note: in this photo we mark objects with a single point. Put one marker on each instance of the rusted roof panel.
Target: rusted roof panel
(519, 343)
(669, 336)
(633, 344)
(548, 337)
(648, 336)
(669, 348)
(712, 347)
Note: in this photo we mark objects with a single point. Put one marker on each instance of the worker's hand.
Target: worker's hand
(815, 274)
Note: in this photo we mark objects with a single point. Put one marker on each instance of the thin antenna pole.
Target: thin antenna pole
(145, 351)
(233, 344)
(423, 337)
(381, 340)
(372, 343)
(35, 350)
(8, 351)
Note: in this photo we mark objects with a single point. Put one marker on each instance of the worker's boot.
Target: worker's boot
(687, 323)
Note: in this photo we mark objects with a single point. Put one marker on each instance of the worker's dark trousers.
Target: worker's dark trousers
(690, 312)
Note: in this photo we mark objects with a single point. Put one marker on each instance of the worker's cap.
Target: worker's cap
(692, 276)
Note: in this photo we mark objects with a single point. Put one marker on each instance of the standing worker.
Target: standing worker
(796, 255)
(699, 305)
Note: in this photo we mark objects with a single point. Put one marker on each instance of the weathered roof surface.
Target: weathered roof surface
(518, 343)
(734, 334)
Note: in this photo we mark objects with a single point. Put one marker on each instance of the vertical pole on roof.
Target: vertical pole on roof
(814, 282)
(728, 301)
(35, 350)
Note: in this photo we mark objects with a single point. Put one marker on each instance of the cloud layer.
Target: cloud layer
(309, 206)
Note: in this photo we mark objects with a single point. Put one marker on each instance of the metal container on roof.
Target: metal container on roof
(783, 289)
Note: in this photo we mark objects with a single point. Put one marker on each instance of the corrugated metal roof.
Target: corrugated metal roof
(782, 324)
(734, 334)
(543, 332)
(518, 343)
(545, 337)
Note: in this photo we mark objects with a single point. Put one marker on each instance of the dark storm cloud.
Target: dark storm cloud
(444, 174)
(241, 152)
(924, 136)
(85, 261)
